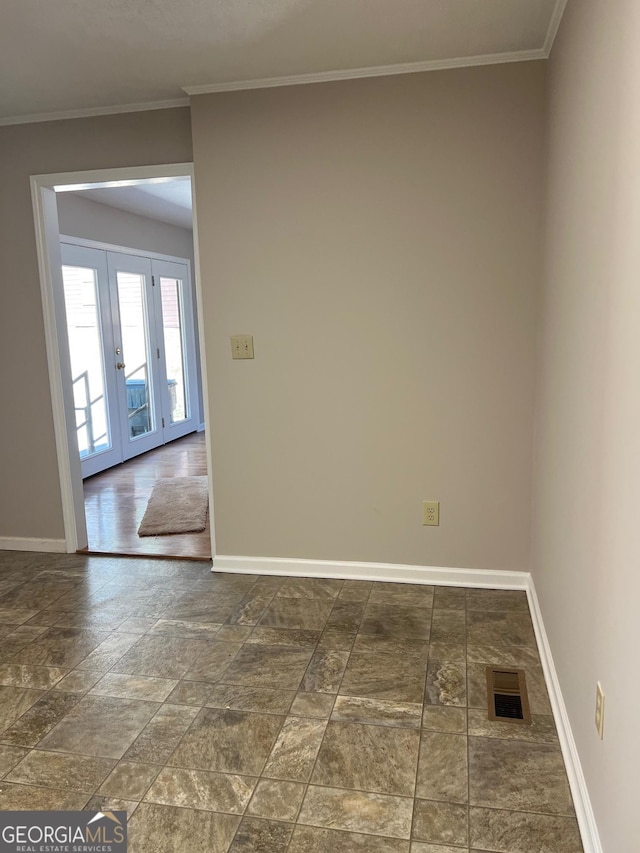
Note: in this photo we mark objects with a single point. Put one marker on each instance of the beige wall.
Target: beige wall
(30, 504)
(82, 217)
(586, 533)
(380, 239)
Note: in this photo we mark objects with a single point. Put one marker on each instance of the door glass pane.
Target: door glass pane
(173, 325)
(87, 363)
(135, 352)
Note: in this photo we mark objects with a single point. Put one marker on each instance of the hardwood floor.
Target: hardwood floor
(115, 501)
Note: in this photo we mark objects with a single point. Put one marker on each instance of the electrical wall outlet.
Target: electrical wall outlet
(242, 346)
(431, 513)
(600, 710)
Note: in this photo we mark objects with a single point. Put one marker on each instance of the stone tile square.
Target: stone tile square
(379, 759)
(133, 687)
(325, 671)
(201, 789)
(57, 770)
(61, 647)
(453, 652)
(100, 726)
(379, 712)
(408, 594)
(295, 637)
(313, 705)
(320, 588)
(136, 625)
(311, 614)
(400, 646)
(336, 638)
(442, 769)
(183, 628)
(276, 799)
(162, 734)
(162, 657)
(190, 693)
(129, 780)
(449, 627)
(519, 832)
(397, 620)
(26, 675)
(23, 797)
(444, 718)
(250, 609)
(14, 701)
(15, 615)
(79, 681)
(449, 598)
(496, 655)
(34, 724)
(104, 803)
(258, 699)
(312, 839)
(346, 616)
(227, 741)
(355, 590)
(38, 594)
(213, 661)
(519, 776)
(446, 683)
(384, 676)
(357, 811)
(156, 827)
(269, 666)
(295, 749)
(440, 823)
(234, 633)
(541, 730)
(256, 835)
(506, 600)
(500, 628)
(9, 757)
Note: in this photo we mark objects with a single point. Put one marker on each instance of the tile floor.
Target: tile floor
(246, 714)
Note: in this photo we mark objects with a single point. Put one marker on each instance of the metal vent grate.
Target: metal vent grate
(507, 694)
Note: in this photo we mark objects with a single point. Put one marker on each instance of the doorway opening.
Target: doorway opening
(121, 297)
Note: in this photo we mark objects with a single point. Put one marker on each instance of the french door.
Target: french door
(131, 339)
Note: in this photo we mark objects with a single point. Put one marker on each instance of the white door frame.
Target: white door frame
(47, 232)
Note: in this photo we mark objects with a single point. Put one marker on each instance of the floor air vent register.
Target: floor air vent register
(507, 695)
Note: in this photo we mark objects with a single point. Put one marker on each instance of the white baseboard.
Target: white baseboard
(201, 428)
(577, 782)
(345, 570)
(51, 546)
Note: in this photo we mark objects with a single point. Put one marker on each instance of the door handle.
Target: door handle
(119, 365)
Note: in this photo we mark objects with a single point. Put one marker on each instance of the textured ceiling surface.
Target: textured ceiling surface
(61, 55)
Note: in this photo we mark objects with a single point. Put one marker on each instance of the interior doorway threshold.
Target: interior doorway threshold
(185, 557)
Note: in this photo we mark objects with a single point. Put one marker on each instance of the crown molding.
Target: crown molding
(554, 26)
(96, 111)
(302, 79)
(371, 71)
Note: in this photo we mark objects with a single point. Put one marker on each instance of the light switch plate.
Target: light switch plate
(242, 346)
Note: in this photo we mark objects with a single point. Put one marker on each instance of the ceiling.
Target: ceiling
(68, 57)
(167, 200)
